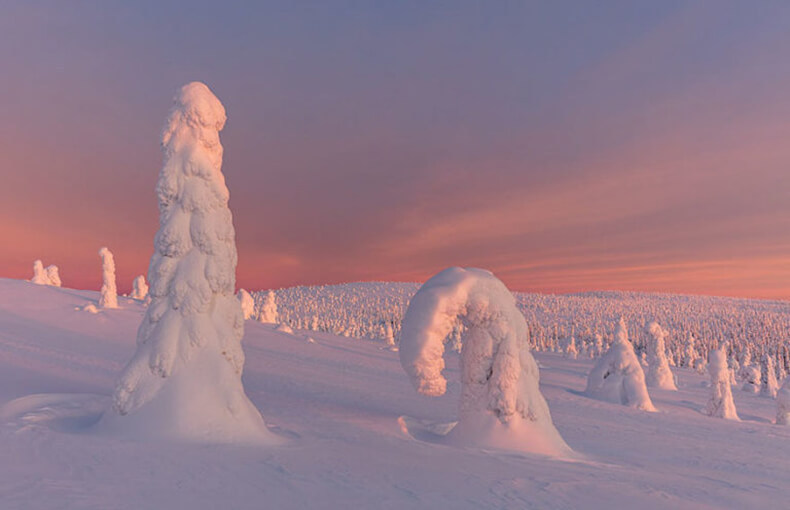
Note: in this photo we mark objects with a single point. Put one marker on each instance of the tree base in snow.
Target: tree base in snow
(190, 405)
(486, 431)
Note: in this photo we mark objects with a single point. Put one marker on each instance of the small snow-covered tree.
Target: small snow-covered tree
(570, 350)
(39, 275)
(783, 404)
(184, 380)
(109, 292)
(247, 303)
(689, 352)
(598, 346)
(658, 373)
(618, 377)
(501, 404)
(751, 379)
(720, 404)
(139, 288)
(268, 313)
(768, 384)
(389, 334)
(53, 275)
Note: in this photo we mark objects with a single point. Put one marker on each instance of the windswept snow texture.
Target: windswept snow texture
(184, 381)
(501, 404)
(352, 421)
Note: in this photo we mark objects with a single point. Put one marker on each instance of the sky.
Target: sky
(566, 146)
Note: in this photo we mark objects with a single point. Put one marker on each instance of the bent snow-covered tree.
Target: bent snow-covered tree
(617, 376)
(184, 380)
(501, 404)
(658, 373)
(109, 292)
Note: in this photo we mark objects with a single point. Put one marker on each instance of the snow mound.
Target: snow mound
(501, 404)
(184, 380)
(617, 376)
(284, 328)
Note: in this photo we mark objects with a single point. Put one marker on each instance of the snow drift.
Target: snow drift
(617, 376)
(184, 380)
(501, 404)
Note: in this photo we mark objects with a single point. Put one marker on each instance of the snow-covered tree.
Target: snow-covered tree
(658, 373)
(501, 404)
(48, 276)
(689, 352)
(618, 377)
(53, 275)
(783, 404)
(247, 303)
(268, 313)
(570, 349)
(751, 379)
(598, 346)
(720, 404)
(389, 335)
(768, 384)
(139, 288)
(109, 292)
(39, 275)
(184, 380)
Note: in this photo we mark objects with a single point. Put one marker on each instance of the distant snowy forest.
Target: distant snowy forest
(695, 324)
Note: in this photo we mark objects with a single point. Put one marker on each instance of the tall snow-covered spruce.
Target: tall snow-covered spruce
(184, 381)
(501, 404)
(617, 376)
(109, 292)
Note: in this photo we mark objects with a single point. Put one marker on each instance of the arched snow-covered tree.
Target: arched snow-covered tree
(720, 404)
(184, 381)
(618, 377)
(501, 404)
(246, 302)
(658, 373)
(109, 292)
(139, 288)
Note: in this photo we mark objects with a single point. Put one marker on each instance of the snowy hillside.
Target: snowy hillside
(356, 434)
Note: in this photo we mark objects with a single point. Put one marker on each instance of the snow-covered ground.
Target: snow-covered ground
(356, 433)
